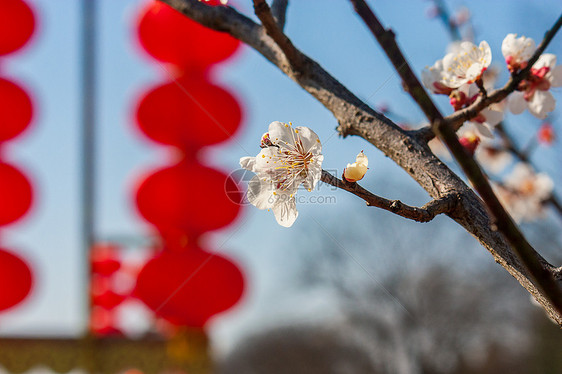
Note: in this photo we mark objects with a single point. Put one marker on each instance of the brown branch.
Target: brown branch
(388, 43)
(443, 14)
(279, 11)
(443, 127)
(274, 30)
(357, 118)
(424, 214)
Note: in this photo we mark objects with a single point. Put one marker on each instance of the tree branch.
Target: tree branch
(279, 11)
(357, 118)
(443, 127)
(443, 14)
(263, 12)
(424, 214)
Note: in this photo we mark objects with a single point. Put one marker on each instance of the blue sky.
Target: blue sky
(328, 31)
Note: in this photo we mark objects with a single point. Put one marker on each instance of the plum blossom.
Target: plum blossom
(546, 134)
(432, 79)
(524, 193)
(289, 157)
(356, 171)
(467, 64)
(470, 142)
(494, 159)
(517, 51)
(533, 92)
(487, 119)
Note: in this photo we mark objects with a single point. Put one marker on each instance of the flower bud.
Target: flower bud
(356, 171)
(470, 141)
(546, 134)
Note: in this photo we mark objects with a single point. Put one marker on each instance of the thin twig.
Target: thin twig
(443, 127)
(279, 11)
(445, 17)
(263, 12)
(424, 214)
(388, 42)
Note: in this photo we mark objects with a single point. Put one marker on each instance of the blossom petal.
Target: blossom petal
(485, 53)
(545, 60)
(310, 141)
(286, 212)
(484, 130)
(521, 49)
(260, 193)
(517, 103)
(556, 80)
(266, 160)
(281, 133)
(541, 104)
(493, 117)
(314, 173)
(248, 163)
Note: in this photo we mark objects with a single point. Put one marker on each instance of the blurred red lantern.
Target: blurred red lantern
(189, 113)
(16, 279)
(169, 36)
(190, 286)
(187, 197)
(104, 259)
(16, 25)
(102, 322)
(15, 109)
(15, 194)
(102, 293)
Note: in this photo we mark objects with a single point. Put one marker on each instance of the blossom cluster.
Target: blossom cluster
(463, 75)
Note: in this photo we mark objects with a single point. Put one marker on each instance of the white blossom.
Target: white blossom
(534, 92)
(524, 192)
(432, 78)
(356, 171)
(290, 157)
(517, 51)
(467, 64)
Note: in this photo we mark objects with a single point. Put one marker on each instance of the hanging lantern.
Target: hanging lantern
(189, 113)
(15, 194)
(15, 109)
(169, 36)
(104, 259)
(16, 25)
(187, 197)
(15, 279)
(190, 286)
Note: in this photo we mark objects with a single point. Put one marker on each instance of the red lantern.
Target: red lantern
(103, 295)
(189, 113)
(16, 25)
(104, 259)
(15, 279)
(169, 36)
(188, 287)
(15, 109)
(187, 197)
(102, 322)
(15, 194)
